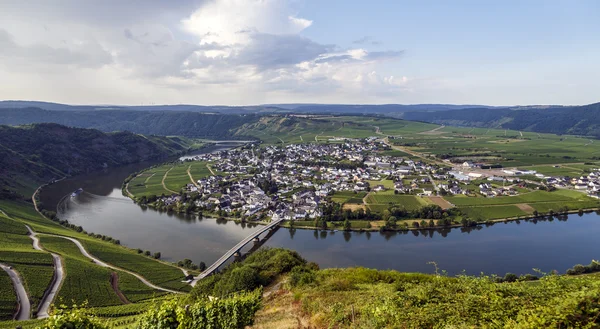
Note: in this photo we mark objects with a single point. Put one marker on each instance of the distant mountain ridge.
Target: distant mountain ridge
(270, 108)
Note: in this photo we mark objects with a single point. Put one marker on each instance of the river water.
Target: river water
(498, 249)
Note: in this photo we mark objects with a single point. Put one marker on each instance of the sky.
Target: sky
(245, 52)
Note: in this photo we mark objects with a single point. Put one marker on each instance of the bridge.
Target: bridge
(236, 249)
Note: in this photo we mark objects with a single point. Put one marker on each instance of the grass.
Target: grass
(84, 281)
(8, 299)
(529, 198)
(366, 298)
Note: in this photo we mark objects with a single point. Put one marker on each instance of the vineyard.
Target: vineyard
(161, 274)
(8, 299)
(134, 290)
(84, 281)
(36, 269)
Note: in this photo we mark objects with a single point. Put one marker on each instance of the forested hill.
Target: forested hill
(37, 153)
(574, 120)
(165, 123)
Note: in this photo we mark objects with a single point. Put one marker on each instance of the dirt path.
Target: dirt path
(163, 181)
(103, 264)
(525, 207)
(114, 283)
(413, 153)
(210, 169)
(441, 202)
(192, 178)
(129, 194)
(435, 131)
(24, 308)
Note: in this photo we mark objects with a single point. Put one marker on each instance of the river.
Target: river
(498, 249)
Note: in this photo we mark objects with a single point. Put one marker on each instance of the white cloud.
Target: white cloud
(221, 51)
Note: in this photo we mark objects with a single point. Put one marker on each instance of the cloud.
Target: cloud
(187, 51)
(366, 40)
(88, 54)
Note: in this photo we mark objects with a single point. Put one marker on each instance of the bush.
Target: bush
(76, 317)
(231, 313)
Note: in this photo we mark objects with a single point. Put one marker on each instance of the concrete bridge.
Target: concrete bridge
(235, 250)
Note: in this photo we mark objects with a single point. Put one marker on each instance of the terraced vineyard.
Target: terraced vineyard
(8, 299)
(84, 281)
(163, 275)
(36, 269)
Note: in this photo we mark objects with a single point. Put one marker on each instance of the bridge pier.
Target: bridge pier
(237, 254)
(257, 239)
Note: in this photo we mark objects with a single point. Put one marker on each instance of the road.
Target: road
(22, 298)
(59, 276)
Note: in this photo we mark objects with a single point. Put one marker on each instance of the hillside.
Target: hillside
(165, 123)
(571, 120)
(40, 152)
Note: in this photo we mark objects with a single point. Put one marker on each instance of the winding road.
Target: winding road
(59, 276)
(103, 264)
(22, 298)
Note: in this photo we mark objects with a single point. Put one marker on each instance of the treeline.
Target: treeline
(164, 123)
(46, 151)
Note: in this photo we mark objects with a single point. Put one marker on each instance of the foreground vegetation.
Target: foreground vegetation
(297, 293)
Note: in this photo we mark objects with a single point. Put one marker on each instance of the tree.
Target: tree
(156, 255)
(347, 225)
(202, 267)
(510, 277)
(147, 253)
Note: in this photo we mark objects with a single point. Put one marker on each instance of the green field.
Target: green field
(150, 182)
(527, 198)
(348, 197)
(409, 202)
(493, 212)
(199, 169)
(177, 177)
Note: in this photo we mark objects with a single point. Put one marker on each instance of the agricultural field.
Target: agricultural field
(8, 299)
(199, 169)
(84, 281)
(493, 212)
(36, 269)
(177, 177)
(150, 182)
(348, 197)
(505, 147)
(409, 202)
(161, 274)
(134, 290)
